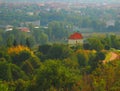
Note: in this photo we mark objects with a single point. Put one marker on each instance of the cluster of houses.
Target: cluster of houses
(35, 24)
(74, 39)
(23, 29)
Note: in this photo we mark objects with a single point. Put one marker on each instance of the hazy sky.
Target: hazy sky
(61, 0)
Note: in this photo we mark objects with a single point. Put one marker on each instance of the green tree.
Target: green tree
(3, 86)
(82, 58)
(15, 43)
(30, 65)
(95, 44)
(21, 57)
(117, 27)
(27, 68)
(9, 41)
(54, 74)
(30, 41)
(57, 31)
(40, 36)
(99, 86)
(97, 60)
(9, 72)
(59, 52)
(44, 49)
(4, 71)
(16, 72)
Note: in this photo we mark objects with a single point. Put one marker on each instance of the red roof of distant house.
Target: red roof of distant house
(76, 36)
(24, 29)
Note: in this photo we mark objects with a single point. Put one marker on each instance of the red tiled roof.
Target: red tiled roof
(24, 29)
(76, 36)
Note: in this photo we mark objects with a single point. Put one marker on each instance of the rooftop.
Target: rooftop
(76, 35)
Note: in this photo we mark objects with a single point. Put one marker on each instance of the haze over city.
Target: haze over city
(82, 1)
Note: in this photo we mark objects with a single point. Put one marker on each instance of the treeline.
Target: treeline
(94, 19)
(57, 67)
(60, 67)
(77, 20)
(17, 14)
(56, 32)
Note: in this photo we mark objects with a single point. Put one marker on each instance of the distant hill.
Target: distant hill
(84, 1)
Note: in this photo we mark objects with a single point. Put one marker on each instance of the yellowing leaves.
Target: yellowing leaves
(18, 49)
(85, 51)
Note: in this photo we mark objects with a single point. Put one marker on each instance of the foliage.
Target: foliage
(57, 30)
(95, 44)
(4, 74)
(16, 72)
(19, 54)
(79, 70)
(40, 36)
(56, 67)
(82, 58)
(107, 75)
(30, 41)
(59, 52)
(3, 86)
(44, 49)
(27, 67)
(30, 65)
(10, 72)
(54, 73)
(35, 62)
(18, 49)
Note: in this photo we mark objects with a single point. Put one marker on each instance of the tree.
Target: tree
(57, 30)
(82, 58)
(27, 68)
(9, 72)
(98, 60)
(117, 27)
(95, 44)
(16, 72)
(44, 49)
(30, 41)
(30, 65)
(4, 71)
(115, 42)
(15, 43)
(19, 54)
(59, 52)
(105, 77)
(40, 36)
(99, 86)
(3, 86)
(35, 62)
(1, 37)
(54, 74)
(9, 41)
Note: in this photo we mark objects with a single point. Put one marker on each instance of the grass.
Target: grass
(108, 56)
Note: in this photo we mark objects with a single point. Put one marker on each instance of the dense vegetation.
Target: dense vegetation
(42, 60)
(55, 67)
